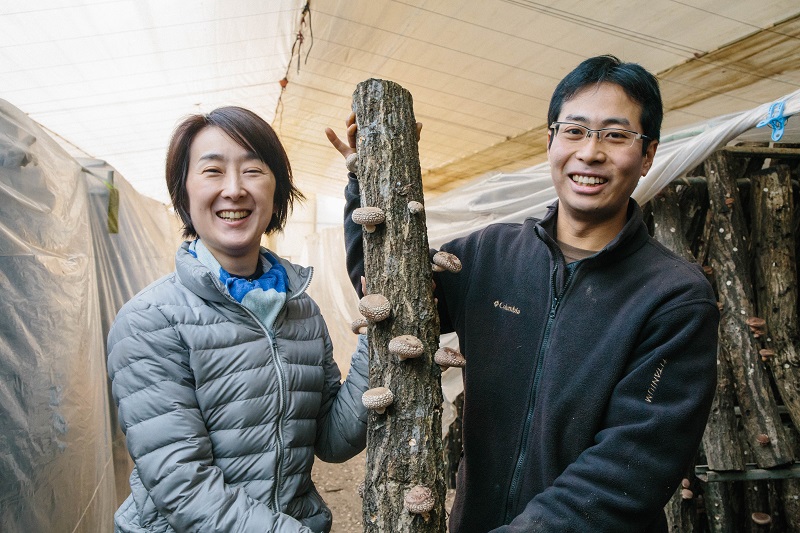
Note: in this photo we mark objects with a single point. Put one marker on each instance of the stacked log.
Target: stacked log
(748, 472)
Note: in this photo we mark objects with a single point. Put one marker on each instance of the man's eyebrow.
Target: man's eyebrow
(621, 121)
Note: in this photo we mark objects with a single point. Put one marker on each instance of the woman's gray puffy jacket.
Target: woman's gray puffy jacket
(223, 419)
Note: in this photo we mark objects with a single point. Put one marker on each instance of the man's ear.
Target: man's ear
(549, 139)
(649, 155)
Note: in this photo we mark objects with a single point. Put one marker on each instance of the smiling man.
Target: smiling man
(590, 347)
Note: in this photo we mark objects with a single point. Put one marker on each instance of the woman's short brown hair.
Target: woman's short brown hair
(252, 133)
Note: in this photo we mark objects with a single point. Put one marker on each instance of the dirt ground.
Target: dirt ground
(338, 483)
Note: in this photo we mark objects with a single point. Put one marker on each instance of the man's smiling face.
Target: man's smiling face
(595, 179)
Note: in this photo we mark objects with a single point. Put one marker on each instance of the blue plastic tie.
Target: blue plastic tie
(775, 120)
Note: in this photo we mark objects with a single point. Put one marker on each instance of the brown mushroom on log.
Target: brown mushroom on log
(762, 519)
(359, 326)
(446, 261)
(763, 440)
(415, 207)
(446, 357)
(374, 307)
(419, 500)
(377, 399)
(406, 347)
(369, 217)
(766, 354)
(757, 325)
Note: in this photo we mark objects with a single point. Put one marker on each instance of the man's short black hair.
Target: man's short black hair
(638, 84)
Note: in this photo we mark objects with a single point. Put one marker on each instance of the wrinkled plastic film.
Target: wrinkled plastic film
(62, 281)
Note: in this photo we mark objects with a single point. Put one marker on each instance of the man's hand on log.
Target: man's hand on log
(349, 147)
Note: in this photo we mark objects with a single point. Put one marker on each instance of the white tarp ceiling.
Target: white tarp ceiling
(113, 77)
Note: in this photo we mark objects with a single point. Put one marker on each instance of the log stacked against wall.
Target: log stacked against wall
(736, 216)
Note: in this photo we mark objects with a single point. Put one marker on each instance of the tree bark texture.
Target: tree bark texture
(404, 444)
(723, 507)
(776, 279)
(790, 496)
(682, 516)
(729, 259)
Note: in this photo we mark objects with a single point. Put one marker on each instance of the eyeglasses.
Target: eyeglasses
(575, 133)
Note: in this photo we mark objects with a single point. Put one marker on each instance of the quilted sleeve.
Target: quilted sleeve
(153, 387)
(342, 423)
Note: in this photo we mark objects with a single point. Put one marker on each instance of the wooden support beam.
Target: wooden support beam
(751, 472)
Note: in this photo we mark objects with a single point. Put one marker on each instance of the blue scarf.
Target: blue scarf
(264, 296)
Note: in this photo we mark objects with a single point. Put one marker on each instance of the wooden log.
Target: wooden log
(789, 491)
(720, 439)
(730, 261)
(404, 444)
(759, 501)
(668, 222)
(682, 511)
(723, 507)
(668, 229)
(454, 443)
(776, 280)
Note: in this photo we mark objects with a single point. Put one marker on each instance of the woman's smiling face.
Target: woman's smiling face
(230, 191)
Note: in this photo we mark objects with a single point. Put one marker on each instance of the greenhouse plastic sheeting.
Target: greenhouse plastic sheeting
(512, 197)
(63, 277)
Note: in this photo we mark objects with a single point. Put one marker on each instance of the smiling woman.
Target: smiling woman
(223, 370)
(230, 191)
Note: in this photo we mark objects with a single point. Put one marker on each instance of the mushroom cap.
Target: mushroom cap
(761, 518)
(368, 216)
(763, 439)
(446, 261)
(378, 398)
(687, 494)
(406, 347)
(351, 162)
(419, 500)
(445, 356)
(415, 207)
(757, 325)
(359, 325)
(374, 307)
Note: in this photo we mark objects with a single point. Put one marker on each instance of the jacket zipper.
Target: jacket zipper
(281, 413)
(281, 399)
(281, 387)
(281, 408)
(510, 503)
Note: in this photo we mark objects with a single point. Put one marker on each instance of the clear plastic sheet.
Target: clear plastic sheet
(62, 279)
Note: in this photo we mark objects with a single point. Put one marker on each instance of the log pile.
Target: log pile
(736, 216)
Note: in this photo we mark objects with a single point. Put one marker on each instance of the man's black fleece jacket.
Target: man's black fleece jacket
(586, 389)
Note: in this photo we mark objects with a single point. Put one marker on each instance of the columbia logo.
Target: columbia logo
(506, 307)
